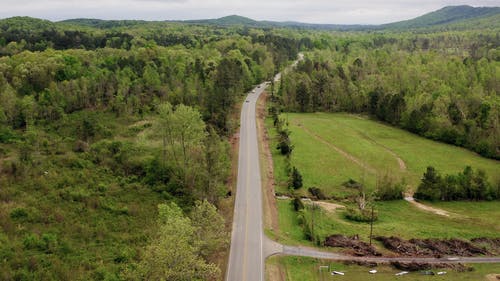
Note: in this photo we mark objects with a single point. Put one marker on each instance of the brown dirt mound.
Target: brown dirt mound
(356, 247)
(492, 244)
(403, 247)
(417, 266)
(431, 247)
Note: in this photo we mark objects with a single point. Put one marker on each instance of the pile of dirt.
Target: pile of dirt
(492, 244)
(417, 266)
(403, 247)
(356, 247)
(431, 247)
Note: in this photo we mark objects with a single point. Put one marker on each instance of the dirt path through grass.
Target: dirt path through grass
(345, 154)
(327, 206)
(493, 277)
(402, 164)
(424, 207)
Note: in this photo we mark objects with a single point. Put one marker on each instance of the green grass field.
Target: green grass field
(305, 269)
(373, 147)
(398, 218)
(370, 150)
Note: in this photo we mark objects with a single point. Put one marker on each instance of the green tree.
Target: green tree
(183, 134)
(209, 230)
(173, 253)
(295, 179)
(430, 187)
(217, 166)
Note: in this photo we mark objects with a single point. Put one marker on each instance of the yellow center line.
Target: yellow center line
(246, 204)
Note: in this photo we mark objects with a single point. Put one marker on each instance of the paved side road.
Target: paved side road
(309, 252)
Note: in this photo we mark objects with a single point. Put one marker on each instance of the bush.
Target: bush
(80, 146)
(296, 178)
(297, 204)
(284, 147)
(358, 215)
(352, 184)
(7, 135)
(318, 193)
(388, 190)
(19, 214)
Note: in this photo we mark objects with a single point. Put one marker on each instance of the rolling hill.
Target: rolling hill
(449, 15)
(455, 17)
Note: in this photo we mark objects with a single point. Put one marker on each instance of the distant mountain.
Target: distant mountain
(450, 15)
(228, 20)
(235, 20)
(24, 23)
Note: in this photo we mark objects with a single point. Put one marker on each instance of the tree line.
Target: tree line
(467, 185)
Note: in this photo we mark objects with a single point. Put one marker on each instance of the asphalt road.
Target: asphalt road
(246, 258)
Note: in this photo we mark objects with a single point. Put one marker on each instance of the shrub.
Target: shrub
(358, 215)
(388, 190)
(318, 193)
(19, 214)
(80, 146)
(284, 147)
(296, 178)
(297, 204)
(7, 135)
(352, 184)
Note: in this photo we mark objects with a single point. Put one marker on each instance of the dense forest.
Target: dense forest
(114, 141)
(443, 86)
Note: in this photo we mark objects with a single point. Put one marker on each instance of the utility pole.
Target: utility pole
(312, 224)
(371, 227)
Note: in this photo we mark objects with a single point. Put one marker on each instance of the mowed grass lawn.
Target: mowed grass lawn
(307, 269)
(373, 146)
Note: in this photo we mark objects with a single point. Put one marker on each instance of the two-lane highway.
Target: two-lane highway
(246, 260)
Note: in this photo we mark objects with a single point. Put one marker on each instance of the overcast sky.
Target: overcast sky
(311, 11)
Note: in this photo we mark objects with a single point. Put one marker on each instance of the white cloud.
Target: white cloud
(314, 11)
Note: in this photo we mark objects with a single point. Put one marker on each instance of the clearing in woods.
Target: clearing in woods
(330, 149)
